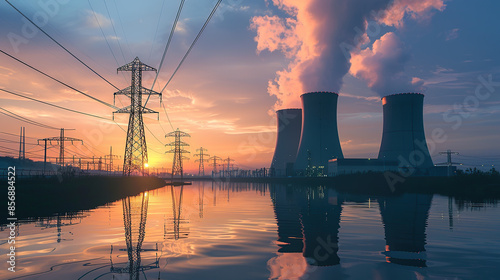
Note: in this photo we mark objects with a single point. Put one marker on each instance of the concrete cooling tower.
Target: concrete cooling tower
(403, 138)
(319, 141)
(287, 142)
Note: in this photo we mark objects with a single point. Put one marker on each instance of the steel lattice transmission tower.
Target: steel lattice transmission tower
(60, 141)
(22, 144)
(201, 154)
(177, 150)
(214, 160)
(136, 151)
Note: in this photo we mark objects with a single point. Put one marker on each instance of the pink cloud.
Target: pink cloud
(312, 32)
(416, 9)
(382, 66)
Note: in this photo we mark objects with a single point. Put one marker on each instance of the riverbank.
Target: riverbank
(466, 186)
(45, 197)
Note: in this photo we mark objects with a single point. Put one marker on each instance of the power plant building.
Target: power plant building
(359, 165)
(403, 147)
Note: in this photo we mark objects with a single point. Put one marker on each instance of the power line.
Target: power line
(165, 110)
(156, 32)
(154, 136)
(53, 105)
(55, 41)
(52, 78)
(168, 43)
(121, 25)
(114, 30)
(23, 119)
(185, 56)
(105, 39)
(14, 142)
(16, 135)
(194, 42)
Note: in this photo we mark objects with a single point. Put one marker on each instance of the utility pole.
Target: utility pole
(214, 163)
(177, 168)
(136, 151)
(22, 144)
(201, 154)
(448, 162)
(60, 141)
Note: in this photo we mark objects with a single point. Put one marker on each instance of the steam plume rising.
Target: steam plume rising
(311, 35)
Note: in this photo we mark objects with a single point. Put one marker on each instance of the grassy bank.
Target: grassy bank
(45, 197)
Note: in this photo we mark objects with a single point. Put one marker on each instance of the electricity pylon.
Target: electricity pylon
(448, 162)
(109, 166)
(201, 154)
(229, 165)
(214, 160)
(22, 144)
(177, 168)
(136, 151)
(60, 141)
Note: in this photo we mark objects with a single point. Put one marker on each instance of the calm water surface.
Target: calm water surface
(260, 231)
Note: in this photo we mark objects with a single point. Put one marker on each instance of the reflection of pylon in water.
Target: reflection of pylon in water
(135, 211)
(60, 221)
(201, 194)
(178, 231)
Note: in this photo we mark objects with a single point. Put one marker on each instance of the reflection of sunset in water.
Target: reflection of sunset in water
(256, 231)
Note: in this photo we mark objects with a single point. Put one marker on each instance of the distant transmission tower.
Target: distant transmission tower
(201, 154)
(60, 141)
(229, 165)
(177, 168)
(22, 144)
(109, 166)
(214, 160)
(448, 162)
(136, 151)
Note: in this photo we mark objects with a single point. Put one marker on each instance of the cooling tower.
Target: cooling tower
(403, 138)
(319, 141)
(287, 142)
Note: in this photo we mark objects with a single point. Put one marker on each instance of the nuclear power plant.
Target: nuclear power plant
(319, 140)
(289, 123)
(403, 147)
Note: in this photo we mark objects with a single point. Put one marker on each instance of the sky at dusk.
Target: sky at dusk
(254, 57)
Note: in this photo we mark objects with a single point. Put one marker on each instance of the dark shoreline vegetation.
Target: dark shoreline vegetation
(38, 197)
(45, 197)
(478, 186)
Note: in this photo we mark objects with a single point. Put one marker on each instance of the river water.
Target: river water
(260, 231)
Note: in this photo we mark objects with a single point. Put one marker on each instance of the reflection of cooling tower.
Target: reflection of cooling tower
(405, 220)
(403, 138)
(308, 221)
(319, 141)
(287, 142)
(321, 223)
(286, 203)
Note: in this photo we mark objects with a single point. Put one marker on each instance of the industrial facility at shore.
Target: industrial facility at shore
(308, 141)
